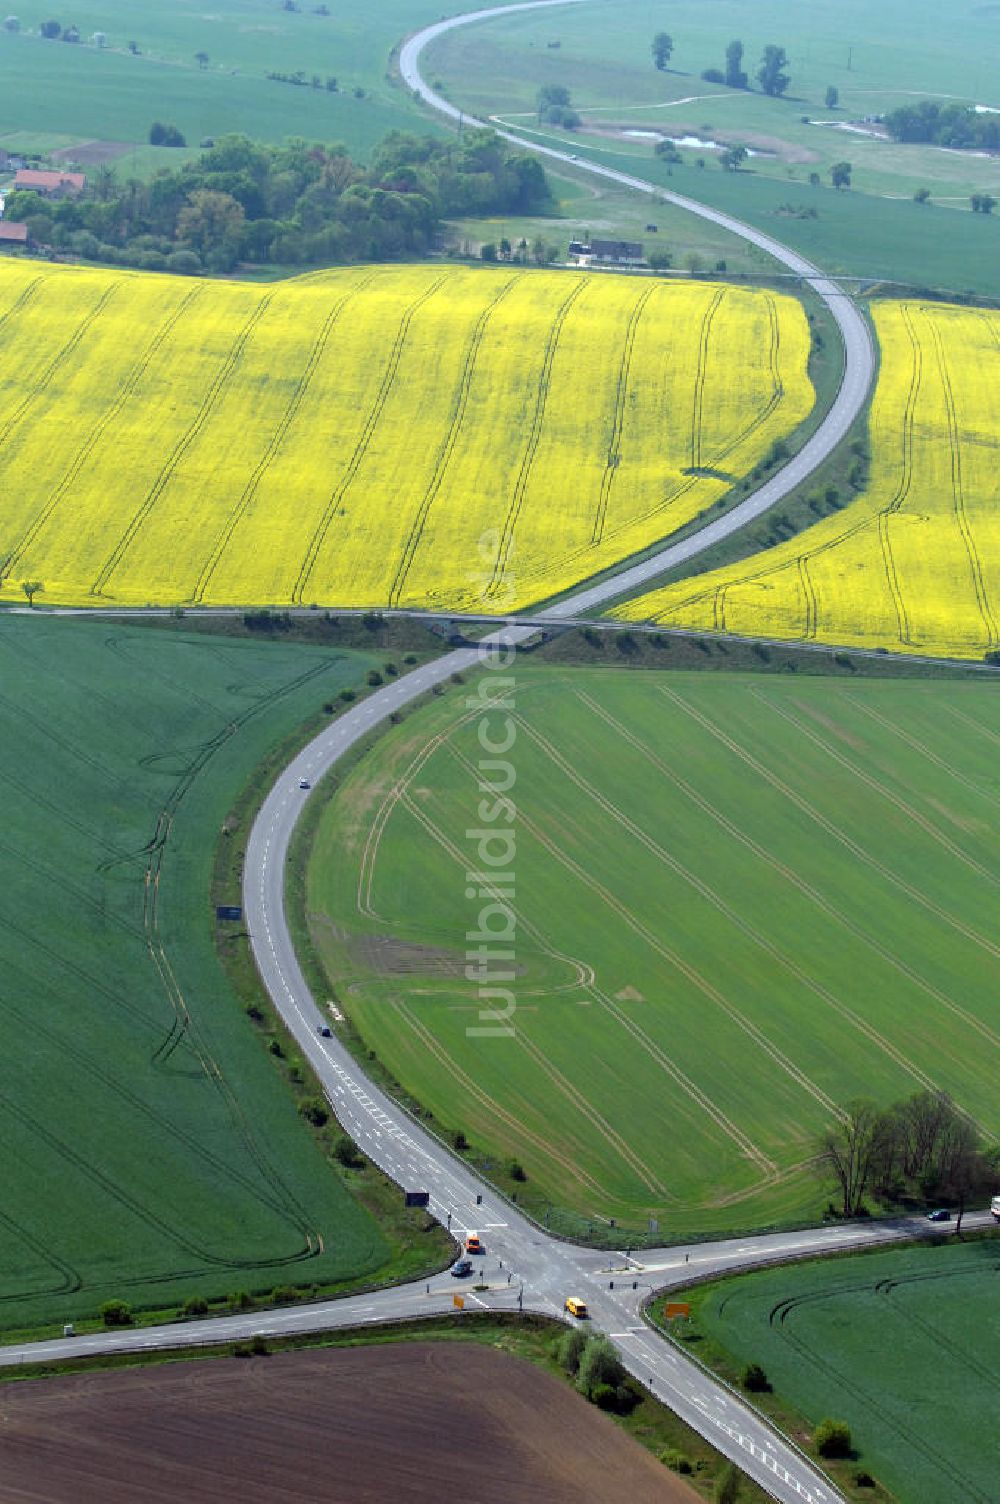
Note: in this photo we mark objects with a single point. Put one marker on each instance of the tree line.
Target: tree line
(944, 124)
(770, 74)
(919, 1150)
(296, 204)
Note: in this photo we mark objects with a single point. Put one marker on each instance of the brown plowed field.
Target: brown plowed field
(415, 1422)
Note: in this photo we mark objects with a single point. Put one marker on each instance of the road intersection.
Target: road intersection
(523, 1266)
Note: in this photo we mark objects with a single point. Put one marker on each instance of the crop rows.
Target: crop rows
(414, 435)
(690, 923)
(913, 562)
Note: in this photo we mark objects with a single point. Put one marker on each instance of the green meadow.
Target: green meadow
(741, 902)
(875, 57)
(151, 1150)
(108, 94)
(900, 1344)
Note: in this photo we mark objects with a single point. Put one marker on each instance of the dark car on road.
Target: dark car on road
(461, 1269)
(941, 1215)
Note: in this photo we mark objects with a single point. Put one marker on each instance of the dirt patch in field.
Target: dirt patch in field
(402, 958)
(92, 153)
(629, 994)
(414, 1421)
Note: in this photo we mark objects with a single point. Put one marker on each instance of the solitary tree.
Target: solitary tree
(735, 76)
(732, 159)
(99, 39)
(663, 46)
(922, 196)
(12, 23)
(982, 203)
(840, 174)
(832, 98)
(771, 75)
(201, 58)
(31, 589)
(50, 29)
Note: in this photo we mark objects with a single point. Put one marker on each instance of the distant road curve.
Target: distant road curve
(859, 355)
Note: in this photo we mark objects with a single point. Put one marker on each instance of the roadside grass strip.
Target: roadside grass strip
(913, 564)
(351, 437)
(740, 903)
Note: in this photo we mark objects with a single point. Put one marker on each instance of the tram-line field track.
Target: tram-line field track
(153, 1152)
(319, 441)
(680, 907)
(895, 1343)
(912, 562)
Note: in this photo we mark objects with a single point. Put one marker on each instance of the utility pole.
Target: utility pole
(850, 55)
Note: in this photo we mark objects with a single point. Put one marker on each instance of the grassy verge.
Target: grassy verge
(534, 1338)
(643, 647)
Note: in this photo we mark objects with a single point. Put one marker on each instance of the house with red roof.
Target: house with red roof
(50, 184)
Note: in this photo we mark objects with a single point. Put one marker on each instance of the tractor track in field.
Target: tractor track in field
(58, 360)
(756, 420)
(965, 528)
(216, 389)
(397, 1143)
(276, 440)
(794, 879)
(754, 935)
(371, 423)
(856, 850)
(604, 1129)
(534, 437)
(449, 443)
(618, 420)
(124, 393)
(882, 791)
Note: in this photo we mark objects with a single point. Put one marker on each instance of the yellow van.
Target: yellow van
(577, 1308)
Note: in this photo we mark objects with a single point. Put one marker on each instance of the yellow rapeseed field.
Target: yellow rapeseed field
(914, 563)
(419, 435)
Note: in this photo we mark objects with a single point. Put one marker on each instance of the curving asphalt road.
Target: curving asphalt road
(859, 354)
(522, 1264)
